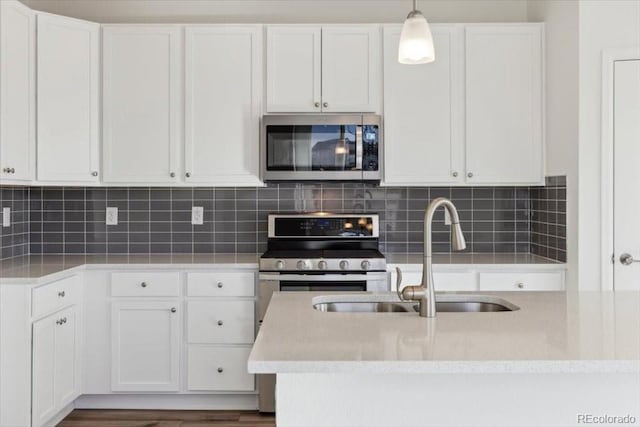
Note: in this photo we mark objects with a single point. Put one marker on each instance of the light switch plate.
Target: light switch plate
(197, 215)
(6, 217)
(112, 216)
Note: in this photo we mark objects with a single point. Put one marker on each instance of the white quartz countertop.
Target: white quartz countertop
(30, 269)
(551, 332)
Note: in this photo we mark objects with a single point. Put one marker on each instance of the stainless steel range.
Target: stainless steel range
(318, 252)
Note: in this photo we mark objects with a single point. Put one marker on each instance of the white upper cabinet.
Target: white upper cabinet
(17, 92)
(142, 103)
(68, 99)
(424, 106)
(293, 68)
(351, 69)
(504, 127)
(331, 68)
(223, 76)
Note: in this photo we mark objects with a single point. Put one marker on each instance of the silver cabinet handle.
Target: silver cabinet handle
(5, 170)
(220, 323)
(220, 370)
(173, 309)
(520, 285)
(61, 294)
(59, 322)
(325, 104)
(455, 174)
(220, 285)
(627, 259)
(317, 104)
(188, 175)
(94, 173)
(172, 174)
(470, 174)
(143, 284)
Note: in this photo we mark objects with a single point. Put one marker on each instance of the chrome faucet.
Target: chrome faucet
(425, 293)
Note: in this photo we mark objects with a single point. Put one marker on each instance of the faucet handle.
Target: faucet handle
(398, 282)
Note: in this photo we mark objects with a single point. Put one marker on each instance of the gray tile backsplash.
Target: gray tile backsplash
(14, 239)
(549, 219)
(158, 220)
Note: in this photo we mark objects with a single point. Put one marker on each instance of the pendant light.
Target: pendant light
(416, 41)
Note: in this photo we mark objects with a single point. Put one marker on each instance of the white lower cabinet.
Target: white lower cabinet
(213, 368)
(145, 354)
(55, 364)
(515, 281)
(221, 322)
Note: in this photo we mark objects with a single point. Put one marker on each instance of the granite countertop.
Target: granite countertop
(551, 332)
(33, 267)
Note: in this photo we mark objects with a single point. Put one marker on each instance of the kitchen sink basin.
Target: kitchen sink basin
(456, 303)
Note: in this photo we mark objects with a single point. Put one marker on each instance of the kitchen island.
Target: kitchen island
(558, 356)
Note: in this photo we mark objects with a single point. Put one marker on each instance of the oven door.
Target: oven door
(327, 147)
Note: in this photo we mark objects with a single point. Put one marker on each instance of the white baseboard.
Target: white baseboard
(60, 415)
(168, 402)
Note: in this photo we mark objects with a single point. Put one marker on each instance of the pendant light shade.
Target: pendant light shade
(416, 41)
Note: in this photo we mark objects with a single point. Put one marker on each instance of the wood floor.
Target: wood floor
(128, 418)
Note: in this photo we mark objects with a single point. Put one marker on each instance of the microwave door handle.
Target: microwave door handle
(359, 148)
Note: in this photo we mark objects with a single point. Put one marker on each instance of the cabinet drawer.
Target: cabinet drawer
(444, 281)
(521, 281)
(53, 296)
(219, 369)
(220, 322)
(145, 284)
(221, 284)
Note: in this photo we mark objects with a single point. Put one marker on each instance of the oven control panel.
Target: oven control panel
(352, 264)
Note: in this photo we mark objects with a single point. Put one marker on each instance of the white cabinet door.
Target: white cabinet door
(504, 138)
(212, 368)
(43, 369)
(221, 322)
(351, 68)
(55, 364)
(423, 112)
(67, 381)
(223, 76)
(145, 346)
(17, 92)
(68, 99)
(142, 103)
(293, 68)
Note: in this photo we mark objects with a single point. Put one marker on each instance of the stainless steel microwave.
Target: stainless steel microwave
(331, 147)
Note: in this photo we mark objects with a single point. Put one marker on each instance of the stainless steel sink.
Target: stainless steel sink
(444, 304)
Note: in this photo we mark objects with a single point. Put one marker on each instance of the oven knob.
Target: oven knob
(344, 264)
(365, 265)
(279, 264)
(322, 265)
(302, 265)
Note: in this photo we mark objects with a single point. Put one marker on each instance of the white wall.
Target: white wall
(603, 24)
(269, 11)
(561, 62)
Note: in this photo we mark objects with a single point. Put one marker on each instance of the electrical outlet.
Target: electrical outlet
(447, 218)
(112, 216)
(197, 215)
(6, 217)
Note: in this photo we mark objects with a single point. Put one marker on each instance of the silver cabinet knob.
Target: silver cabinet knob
(325, 104)
(220, 284)
(220, 370)
(59, 322)
(317, 104)
(220, 323)
(173, 309)
(5, 170)
(94, 173)
(188, 175)
(470, 174)
(455, 174)
(627, 259)
(61, 294)
(143, 284)
(520, 285)
(172, 174)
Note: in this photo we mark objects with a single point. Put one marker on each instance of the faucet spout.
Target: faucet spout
(425, 293)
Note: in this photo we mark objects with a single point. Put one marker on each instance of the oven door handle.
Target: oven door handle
(359, 153)
(323, 277)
